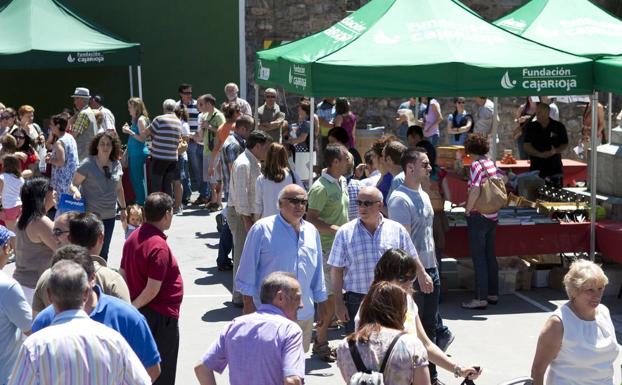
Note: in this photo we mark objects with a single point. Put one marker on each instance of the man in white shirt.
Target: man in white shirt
(97, 103)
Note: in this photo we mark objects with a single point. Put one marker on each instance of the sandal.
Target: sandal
(475, 304)
(324, 352)
(493, 299)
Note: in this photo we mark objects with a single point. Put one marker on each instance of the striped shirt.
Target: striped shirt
(193, 115)
(165, 135)
(77, 350)
(357, 250)
(477, 176)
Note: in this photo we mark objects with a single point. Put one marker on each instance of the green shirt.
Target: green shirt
(215, 119)
(330, 197)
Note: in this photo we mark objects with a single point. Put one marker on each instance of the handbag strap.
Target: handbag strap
(481, 163)
(389, 350)
(291, 172)
(356, 357)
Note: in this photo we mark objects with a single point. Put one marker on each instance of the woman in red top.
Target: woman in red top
(482, 227)
(25, 145)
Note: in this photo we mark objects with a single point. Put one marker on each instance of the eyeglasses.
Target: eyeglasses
(366, 203)
(270, 96)
(459, 102)
(425, 164)
(107, 172)
(297, 201)
(186, 93)
(7, 116)
(58, 232)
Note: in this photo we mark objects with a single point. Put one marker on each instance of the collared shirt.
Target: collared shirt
(15, 317)
(357, 250)
(354, 186)
(246, 169)
(108, 123)
(231, 149)
(329, 196)
(83, 121)
(214, 119)
(111, 282)
(165, 135)
(270, 344)
(77, 350)
(372, 180)
(414, 208)
(485, 115)
(120, 316)
(273, 245)
(245, 108)
(147, 255)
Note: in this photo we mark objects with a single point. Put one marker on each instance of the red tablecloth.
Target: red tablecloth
(573, 170)
(609, 239)
(525, 240)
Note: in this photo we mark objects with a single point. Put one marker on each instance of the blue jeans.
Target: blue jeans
(108, 230)
(195, 158)
(428, 310)
(433, 139)
(482, 232)
(225, 245)
(353, 302)
(185, 178)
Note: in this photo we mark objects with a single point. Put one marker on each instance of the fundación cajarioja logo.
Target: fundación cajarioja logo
(542, 79)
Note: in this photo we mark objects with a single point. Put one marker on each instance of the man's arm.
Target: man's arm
(313, 216)
(340, 307)
(204, 374)
(154, 372)
(531, 151)
(292, 380)
(148, 294)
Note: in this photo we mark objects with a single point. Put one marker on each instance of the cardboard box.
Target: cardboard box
(523, 280)
(507, 281)
(540, 278)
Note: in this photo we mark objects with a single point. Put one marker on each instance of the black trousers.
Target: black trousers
(163, 173)
(165, 331)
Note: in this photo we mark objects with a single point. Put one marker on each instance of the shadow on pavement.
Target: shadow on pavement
(215, 277)
(312, 364)
(223, 314)
(213, 234)
(196, 212)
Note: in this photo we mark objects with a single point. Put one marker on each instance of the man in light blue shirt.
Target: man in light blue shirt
(285, 242)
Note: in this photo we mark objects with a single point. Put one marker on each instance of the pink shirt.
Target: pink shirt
(477, 176)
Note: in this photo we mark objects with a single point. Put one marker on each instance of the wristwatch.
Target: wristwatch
(457, 371)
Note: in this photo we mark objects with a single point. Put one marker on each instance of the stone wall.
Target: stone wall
(294, 19)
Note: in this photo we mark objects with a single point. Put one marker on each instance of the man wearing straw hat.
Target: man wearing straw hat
(85, 126)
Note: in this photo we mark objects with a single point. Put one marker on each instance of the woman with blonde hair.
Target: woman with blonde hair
(276, 175)
(137, 150)
(578, 342)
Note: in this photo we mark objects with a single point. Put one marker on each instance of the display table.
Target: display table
(573, 170)
(609, 239)
(522, 240)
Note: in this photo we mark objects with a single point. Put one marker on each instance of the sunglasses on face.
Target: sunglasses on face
(297, 201)
(186, 93)
(366, 203)
(459, 102)
(7, 116)
(270, 96)
(425, 164)
(58, 232)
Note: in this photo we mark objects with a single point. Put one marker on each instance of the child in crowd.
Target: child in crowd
(11, 182)
(134, 218)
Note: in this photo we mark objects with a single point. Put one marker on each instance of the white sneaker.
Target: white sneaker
(179, 211)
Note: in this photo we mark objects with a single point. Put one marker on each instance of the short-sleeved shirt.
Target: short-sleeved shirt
(147, 255)
(63, 175)
(543, 139)
(83, 130)
(111, 282)
(408, 353)
(214, 119)
(357, 250)
(477, 175)
(268, 115)
(326, 111)
(330, 197)
(165, 135)
(100, 192)
(485, 116)
(414, 209)
(231, 149)
(120, 316)
(193, 114)
(15, 317)
(459, 120)
(384, 185)
(270, 344)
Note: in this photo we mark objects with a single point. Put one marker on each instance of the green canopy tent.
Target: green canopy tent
(392, 48)
(581, 28)
(46, 34)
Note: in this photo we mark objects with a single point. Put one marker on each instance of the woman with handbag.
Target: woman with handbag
(481, 226)
(381, 335)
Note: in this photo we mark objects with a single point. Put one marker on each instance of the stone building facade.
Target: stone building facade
(294, 19)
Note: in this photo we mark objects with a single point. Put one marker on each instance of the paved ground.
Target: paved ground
(501, 339)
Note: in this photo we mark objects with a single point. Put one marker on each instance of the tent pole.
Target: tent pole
(493, 140)
(609, 116)
(242, 46)
(593, 171)
(140, 82)
(131, 81)
(256, 114)
(311, 140)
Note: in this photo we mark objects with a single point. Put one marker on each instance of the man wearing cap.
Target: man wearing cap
(15, 312)
(85, 126)
(97, 103)
(270, 117)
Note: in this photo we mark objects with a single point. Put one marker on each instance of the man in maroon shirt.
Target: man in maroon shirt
(154, 280)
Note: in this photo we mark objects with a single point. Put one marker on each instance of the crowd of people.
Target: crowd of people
(361, 246)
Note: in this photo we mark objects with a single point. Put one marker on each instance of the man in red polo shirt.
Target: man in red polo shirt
(154, 280)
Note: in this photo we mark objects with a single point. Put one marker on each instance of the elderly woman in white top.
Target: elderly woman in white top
(578, 343)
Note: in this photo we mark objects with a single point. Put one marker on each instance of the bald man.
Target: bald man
(358, 246)
(285, 242)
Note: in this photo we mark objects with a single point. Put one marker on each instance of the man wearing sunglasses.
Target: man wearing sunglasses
(358, 246)
(270, 117)
(285, 242)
